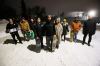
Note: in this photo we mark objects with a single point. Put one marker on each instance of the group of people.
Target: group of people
(52, 29)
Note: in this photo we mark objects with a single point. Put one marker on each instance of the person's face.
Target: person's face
(23, 20)
(38, 20)
(32, 20)
(58, 20)
(11, 21)
(64, 21)
(49, 18)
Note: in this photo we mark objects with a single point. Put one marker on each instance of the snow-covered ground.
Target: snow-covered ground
(68, 54)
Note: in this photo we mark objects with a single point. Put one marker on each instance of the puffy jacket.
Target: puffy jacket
(76, 26)
(24, 26)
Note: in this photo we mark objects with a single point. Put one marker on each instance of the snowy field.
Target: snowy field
(68, 54)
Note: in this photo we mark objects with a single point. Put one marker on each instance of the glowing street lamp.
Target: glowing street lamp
(92, 13)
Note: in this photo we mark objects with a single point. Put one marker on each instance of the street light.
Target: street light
(92, 13)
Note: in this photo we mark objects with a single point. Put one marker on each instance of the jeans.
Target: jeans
(73, 36)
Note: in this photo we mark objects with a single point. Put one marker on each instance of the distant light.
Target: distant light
(80, 14)
(76, 14)
(92, 13)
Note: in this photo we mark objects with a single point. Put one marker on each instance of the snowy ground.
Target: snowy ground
(68, 54)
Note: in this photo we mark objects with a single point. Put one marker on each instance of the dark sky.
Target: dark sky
(57, 6)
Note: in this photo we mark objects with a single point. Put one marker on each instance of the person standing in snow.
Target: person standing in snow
(89, 28)
(75, 27)
(12, 28)
(24, 25)
(65, 28)
(49, 30)
(38, 33)
(59, 30)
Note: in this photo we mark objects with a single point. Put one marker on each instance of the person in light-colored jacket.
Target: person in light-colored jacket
(59, 30)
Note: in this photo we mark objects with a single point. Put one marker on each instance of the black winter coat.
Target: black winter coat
(38, 30)
(89, 27)
(12, 26)
(49, 29)
(32, 26)
(65, 29)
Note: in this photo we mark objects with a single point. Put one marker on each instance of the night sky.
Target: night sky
(56, 6)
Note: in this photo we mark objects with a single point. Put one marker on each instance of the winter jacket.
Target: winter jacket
(89, 26)
(76, 26)
(32, 25)
(65, 28)
(49, 29)
(12, 27)
(58, 29)
(38, 30)
(24, 26)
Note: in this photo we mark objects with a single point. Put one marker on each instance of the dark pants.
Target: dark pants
(49, 41)
(39, 40)
(17, 35)
(64, 37)
(90, 38)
